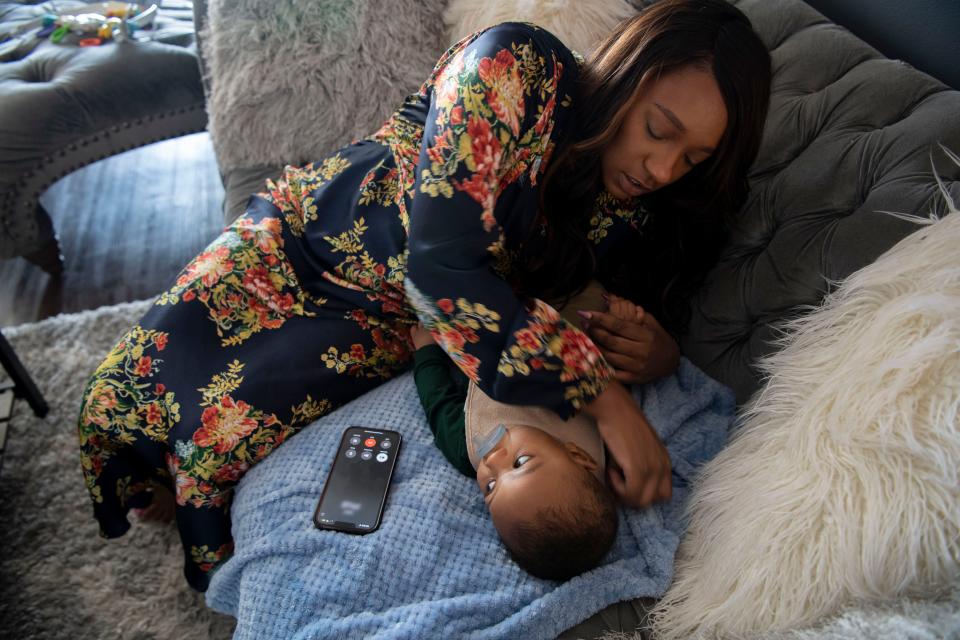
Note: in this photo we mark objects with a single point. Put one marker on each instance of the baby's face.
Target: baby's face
(528, 470)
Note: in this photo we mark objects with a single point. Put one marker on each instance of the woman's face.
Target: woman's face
(670, 128)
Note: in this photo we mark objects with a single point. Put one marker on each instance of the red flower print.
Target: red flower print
(160, 341)
(105, 400)
(358, 316)
(183, 482)
(445, 305)
(357, 352)
(527, 340)
(160, 389)
(545, 115)
(380, 270)
(154, 413)
(576, 350)
(469, 365)
(441, 143)
(389, 306)
(477, 186)
(468, 334)
(446, 86)
(453, 340)
(456, 115)
(230, 472)
(209, 267)
(189, 295)
(143, 366)
(281, 303)
(271, 260)
(256, 281)
(484, 146)
(505, 95)
(224, 425)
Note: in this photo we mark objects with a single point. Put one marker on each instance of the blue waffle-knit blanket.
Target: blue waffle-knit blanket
(435, 568)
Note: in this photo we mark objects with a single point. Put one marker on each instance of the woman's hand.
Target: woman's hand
(632, 341)
(420, 336)
(641, 473)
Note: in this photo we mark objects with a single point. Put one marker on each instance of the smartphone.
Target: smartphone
(356, 487)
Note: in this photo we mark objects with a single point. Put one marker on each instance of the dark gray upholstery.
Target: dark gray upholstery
(64, 107)
(849, 135)
(924, 33)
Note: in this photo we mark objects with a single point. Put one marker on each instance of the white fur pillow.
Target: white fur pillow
(841, 485)
(580, 24)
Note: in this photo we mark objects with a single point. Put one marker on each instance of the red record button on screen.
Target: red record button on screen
(369, 442)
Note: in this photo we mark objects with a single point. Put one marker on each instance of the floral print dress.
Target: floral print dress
(305, 302)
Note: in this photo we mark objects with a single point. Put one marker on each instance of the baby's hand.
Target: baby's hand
(623, 309)
(421, 337)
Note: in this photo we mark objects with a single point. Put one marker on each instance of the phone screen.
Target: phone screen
(356, 488)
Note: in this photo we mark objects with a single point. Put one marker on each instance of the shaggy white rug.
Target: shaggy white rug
(58, 578)
(842, 484)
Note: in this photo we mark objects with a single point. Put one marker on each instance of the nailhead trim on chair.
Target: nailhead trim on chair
(89, 149)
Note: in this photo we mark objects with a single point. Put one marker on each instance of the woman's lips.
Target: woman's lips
(628, 186)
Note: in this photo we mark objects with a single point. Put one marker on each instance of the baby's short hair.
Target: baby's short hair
(561, 542)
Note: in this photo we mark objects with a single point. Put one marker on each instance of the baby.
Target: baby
(542, 477)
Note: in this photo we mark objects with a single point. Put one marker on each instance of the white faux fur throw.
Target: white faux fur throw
(579, 24)
(841, 485)
(292, 81)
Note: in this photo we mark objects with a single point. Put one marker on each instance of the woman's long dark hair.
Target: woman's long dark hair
(689, 217)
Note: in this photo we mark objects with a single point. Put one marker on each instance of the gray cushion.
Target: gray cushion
(293, 82)
(849, 135)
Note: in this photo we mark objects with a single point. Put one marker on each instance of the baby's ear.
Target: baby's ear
(580, 456)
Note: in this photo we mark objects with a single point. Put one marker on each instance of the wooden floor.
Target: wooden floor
(127, 225)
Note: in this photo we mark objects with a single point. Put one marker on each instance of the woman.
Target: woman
(513, 176)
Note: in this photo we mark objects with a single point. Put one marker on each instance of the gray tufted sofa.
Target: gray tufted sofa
(63, 107)
(849, 136)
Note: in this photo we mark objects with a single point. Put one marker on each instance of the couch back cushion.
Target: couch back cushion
(849, 136)
(292, 82)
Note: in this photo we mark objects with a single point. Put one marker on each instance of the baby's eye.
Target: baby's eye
(491, 483)
(520, 461)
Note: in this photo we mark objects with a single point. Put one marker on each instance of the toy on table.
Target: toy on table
(87, 25)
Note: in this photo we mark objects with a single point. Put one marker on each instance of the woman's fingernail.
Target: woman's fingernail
(584, 314)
